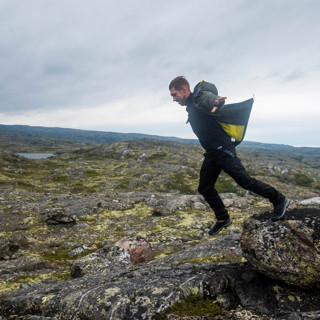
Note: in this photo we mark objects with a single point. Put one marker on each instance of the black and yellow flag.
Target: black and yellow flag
(234, 118)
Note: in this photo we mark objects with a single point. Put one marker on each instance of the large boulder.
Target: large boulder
(287, 250)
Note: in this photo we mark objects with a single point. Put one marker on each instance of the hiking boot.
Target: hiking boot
(219, 225)
(280, 209)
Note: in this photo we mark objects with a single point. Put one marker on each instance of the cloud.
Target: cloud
(74, 59)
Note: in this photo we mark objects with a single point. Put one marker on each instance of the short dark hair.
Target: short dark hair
(178, 82)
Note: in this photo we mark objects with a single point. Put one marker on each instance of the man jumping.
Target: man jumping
(220, 151)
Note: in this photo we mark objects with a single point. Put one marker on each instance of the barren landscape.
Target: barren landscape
(55, 212)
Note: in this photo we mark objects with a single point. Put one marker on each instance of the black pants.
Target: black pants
(212, 166)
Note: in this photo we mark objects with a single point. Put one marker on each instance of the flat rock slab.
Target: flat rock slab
(144, 291)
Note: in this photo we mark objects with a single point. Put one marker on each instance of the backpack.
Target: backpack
(233, 118)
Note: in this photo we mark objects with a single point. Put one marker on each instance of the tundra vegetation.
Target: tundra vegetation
(82, 177)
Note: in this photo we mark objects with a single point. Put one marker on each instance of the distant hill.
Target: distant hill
(45, 136)
(86, 136)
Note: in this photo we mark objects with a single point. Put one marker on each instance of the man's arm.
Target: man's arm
(206, 97)
(217, 103)
(205, 100)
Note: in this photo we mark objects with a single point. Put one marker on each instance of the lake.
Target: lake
(36, 155)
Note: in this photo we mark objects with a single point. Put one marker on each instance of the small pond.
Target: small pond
(36, 155)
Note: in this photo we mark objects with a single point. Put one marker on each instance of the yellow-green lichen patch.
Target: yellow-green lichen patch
(112, 224)
(7, 286)
(140, 210)
(158, 291)
(187, 219)
(163, 254)
(4, 178)
(104, 216)
(41, 277)
(4, 235)
(110, 292)
(143, 301)
(31, 221)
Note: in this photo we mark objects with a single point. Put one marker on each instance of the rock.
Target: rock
(199, 206)
(287, 250)
(310, 202)
(23, 267)
(228, 202)
(39, 318)
(160, 211)
(144, 291)
(206, 251)
(76, 252)
(107, 259)
(7, 249)
(138, 248)
(183, 202)
(59, 216)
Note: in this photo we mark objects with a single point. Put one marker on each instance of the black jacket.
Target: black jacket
(223, 129)
(209, 132)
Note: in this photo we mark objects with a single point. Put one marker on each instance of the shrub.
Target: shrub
(302, 180)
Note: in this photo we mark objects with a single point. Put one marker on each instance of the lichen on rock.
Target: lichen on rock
(286, 250)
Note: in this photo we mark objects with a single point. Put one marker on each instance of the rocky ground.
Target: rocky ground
(57, 214)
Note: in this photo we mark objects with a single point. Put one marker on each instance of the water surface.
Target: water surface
(36, 155)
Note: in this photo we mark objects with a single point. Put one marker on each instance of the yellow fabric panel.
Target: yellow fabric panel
(233, 130)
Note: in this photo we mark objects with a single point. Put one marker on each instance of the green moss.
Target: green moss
(166, 224)
(194, 305)
(124, 185)
(60, 178)
(63, 276)
(92, 174)
(303, 180)
(80, 187)
(58, 256)
(180, 182)
(24, 185)
(226, 185)
(158, 155)
(120, 229)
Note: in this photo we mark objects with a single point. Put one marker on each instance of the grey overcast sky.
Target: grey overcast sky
(106, 65)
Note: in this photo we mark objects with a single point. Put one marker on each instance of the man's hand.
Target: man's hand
(217, 102)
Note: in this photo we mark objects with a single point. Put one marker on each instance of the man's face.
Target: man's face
(180, 96)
